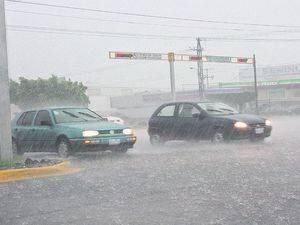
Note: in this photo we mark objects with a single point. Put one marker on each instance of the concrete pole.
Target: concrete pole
(5, 118)
(171, 59)
(255, 85)
(200, 69)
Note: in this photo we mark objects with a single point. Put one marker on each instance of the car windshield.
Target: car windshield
(75, 115)
(217, 108)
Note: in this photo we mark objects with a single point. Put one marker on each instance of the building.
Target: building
(275, 95)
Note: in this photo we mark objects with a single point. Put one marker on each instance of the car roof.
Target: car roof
(193, 102)
(53, 108)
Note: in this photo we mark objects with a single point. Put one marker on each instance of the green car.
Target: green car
(67, 130)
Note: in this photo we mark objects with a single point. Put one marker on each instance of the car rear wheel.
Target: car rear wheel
(156, 140)
(63, 148)
(218, 137)
(15, 148)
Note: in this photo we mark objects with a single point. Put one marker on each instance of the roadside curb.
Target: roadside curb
(37, 172)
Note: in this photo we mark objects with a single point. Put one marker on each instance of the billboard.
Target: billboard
(271, 73)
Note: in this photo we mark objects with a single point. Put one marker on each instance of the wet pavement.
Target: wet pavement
(180, 183)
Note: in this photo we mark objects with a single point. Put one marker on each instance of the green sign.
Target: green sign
(259, 83)
(227, 59)
(218, 59)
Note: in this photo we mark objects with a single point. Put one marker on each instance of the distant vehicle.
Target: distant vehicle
(204, 120)
(274, 109)
(114, 119)
(67, 130)
(294, 110)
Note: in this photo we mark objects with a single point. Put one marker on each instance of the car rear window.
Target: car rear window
(26, 118)
(20, 120)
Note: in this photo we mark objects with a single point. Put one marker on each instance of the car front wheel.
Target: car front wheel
(218, 137)
(120, 149)
(156, 140)
(63, 148)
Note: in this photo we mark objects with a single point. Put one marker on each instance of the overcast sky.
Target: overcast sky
(85, 57)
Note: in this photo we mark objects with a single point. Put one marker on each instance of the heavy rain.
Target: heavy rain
(149, 112)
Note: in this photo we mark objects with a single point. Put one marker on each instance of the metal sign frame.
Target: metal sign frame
(172, 57)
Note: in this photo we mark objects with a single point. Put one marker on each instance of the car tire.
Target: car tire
(257, 140)
(218, 137)
(120, 149)
(63, 147)
(156, 140)
(15, 148)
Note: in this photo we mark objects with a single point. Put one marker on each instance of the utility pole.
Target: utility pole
(207, 76)
(200, 69)
(5, 118)
(255, 85)
(171, 58)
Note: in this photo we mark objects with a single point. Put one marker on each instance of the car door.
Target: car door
(23, 131)
(44, 134)
(163, 121)
(191, 122)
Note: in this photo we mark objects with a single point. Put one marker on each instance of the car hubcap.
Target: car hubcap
(218, 137)
(63, 149)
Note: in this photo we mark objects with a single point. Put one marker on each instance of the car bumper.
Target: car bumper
(251, 133)
(102, 143)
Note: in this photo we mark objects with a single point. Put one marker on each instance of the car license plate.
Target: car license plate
(114, 141)
(259, 130)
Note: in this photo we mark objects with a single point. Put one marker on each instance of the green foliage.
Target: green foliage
(16, 161)
(47, 92)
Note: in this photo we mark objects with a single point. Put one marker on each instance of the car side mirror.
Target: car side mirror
(46, 123)
(199, 116)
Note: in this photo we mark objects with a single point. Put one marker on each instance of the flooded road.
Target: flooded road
(180, 183)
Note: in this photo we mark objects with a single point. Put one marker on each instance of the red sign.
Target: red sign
(124, 55)
(195, 58)
(242, 60)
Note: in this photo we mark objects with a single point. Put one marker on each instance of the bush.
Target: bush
(47, 92)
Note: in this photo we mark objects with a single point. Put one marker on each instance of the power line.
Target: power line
(36, 29)
(149, 15)
(126, 22)
(96, 32)
(161, 25)
(84, 34)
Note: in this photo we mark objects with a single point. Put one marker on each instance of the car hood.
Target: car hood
(246, 118)
(99, 125)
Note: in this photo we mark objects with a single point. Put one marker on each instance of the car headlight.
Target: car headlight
(240, 125)
(127, 131)
(90, 133)
(268, 123)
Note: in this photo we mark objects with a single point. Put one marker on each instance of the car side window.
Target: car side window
(187, 110)
(28, 118)
(42, 115)
(168, 110)
(20, 120)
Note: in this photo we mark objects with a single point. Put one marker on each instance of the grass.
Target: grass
(15, 162)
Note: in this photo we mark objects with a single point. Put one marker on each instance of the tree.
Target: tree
(28, 93)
